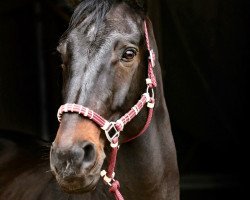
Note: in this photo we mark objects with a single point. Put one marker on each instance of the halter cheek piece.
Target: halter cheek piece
(118, 126)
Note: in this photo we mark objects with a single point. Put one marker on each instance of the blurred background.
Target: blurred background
(204, 55)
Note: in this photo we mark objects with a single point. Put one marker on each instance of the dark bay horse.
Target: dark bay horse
(105, 64)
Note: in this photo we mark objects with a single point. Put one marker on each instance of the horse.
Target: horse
(110, 71)
(108, 52)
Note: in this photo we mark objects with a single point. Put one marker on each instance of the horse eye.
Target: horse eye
(128, 55)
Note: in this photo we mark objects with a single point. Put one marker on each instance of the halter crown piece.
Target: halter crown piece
(116, 127)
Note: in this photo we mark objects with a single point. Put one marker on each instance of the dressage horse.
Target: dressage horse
(112, 93)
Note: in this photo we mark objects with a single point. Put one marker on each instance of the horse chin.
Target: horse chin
(77, 185)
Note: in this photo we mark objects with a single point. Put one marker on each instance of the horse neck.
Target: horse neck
(142, 162)
(159, 128)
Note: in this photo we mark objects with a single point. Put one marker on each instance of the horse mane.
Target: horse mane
(96, 11)
(142, 4)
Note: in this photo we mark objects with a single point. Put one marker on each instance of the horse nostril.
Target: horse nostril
(89, 154)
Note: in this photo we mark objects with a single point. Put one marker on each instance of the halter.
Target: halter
(113, 129)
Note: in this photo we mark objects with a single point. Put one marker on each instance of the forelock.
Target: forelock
(94, 12)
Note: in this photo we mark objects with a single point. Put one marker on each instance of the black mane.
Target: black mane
(96, 8)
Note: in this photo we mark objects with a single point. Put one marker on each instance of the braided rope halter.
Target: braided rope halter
(116, 127)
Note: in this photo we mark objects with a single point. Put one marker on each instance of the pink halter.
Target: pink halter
(118, 125)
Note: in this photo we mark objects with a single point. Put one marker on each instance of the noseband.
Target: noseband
(112, 129)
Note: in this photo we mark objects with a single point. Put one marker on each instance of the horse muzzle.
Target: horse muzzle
(76, 157)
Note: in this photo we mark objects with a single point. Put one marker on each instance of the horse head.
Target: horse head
(105, 58)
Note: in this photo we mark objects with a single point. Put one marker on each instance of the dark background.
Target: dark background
(204, 54)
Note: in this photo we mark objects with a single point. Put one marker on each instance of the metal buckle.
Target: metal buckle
(116, 134)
